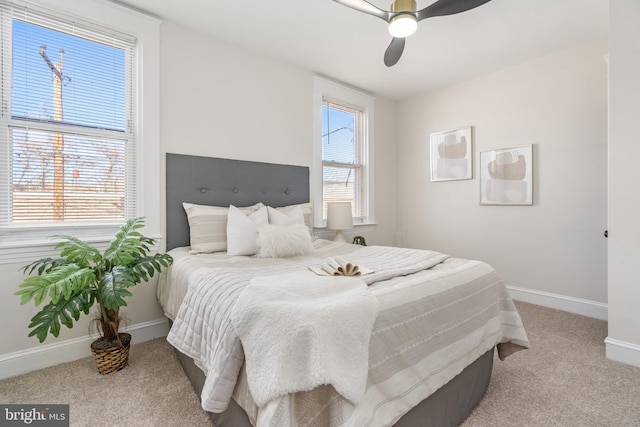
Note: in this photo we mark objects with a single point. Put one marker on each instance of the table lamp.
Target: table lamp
(339, 218)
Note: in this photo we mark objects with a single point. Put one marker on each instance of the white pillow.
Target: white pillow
(208, 226)
(307, 213)
(242, 230)
(286, 217)
(283, 241)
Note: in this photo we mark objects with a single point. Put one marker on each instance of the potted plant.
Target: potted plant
(82, 276)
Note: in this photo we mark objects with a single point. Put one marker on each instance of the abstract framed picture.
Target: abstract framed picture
(451, 155)
(506, 176)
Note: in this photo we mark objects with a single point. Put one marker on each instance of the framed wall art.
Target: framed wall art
(506, 176)
(451, 155)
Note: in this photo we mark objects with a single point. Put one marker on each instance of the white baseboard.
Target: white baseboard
(622, 351)
(580, 306)
(21, 362)
(619, 351)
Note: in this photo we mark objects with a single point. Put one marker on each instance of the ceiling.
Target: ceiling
(335, 41)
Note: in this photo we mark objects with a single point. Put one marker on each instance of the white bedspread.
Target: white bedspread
(202, 328)
(436, 316)
(308, 330)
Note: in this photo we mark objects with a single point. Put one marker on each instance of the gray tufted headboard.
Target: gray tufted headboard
(223, 182)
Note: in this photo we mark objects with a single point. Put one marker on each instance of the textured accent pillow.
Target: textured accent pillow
(242, 230)
(307, 214)
(286, 217)
(283, 241)
(208, 226)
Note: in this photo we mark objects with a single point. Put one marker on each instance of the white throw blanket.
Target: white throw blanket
(300, 331)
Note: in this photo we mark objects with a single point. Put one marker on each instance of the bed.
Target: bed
(433, 321)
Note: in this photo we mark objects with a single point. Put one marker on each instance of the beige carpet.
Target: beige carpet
(151, 391)
(563, 380)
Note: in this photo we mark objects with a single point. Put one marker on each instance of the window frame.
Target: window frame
(20, 244)
(126, 134)
(327, 90)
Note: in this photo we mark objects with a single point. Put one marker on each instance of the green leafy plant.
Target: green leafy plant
(82, 275)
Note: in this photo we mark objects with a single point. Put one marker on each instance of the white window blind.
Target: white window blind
(67, 137)
(343, 149)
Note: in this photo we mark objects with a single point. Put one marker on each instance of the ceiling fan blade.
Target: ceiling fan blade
(366, 7)
(448, 7)
(394, 51)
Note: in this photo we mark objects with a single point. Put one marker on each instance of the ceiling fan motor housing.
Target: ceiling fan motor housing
(399, 6)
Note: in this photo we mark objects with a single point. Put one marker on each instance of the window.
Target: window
(343, 151)
(69, 129)
(72, 157)
(342, 156)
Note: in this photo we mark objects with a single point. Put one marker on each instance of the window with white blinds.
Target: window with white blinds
(343, 147)
(68, 128)
(342, 157)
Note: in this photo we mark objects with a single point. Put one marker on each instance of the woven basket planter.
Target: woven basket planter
(111, 357)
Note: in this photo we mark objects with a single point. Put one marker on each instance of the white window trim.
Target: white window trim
(146, 29)
(323, 87)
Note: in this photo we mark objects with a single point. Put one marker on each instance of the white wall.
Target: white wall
(219, 100)
(559, 104)
(623, 341)
(222, 101)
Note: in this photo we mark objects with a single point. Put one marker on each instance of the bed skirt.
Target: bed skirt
(449, 406)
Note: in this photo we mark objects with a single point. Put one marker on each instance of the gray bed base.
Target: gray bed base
(449, 406)
(221, 182)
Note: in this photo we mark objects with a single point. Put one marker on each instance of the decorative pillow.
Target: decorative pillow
(208, 226)
(307, 214)
(286, 217)
(283, 241)
(242, 230)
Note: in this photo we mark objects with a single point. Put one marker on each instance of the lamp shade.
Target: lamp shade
(339, 216)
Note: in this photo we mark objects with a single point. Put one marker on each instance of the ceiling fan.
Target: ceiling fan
(403, 18)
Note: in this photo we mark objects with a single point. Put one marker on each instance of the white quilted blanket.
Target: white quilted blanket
(308, 330)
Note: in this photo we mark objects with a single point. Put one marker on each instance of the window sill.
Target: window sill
(325, 233)
(26, 251)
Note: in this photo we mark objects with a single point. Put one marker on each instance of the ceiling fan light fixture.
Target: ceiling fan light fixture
(403, 25)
